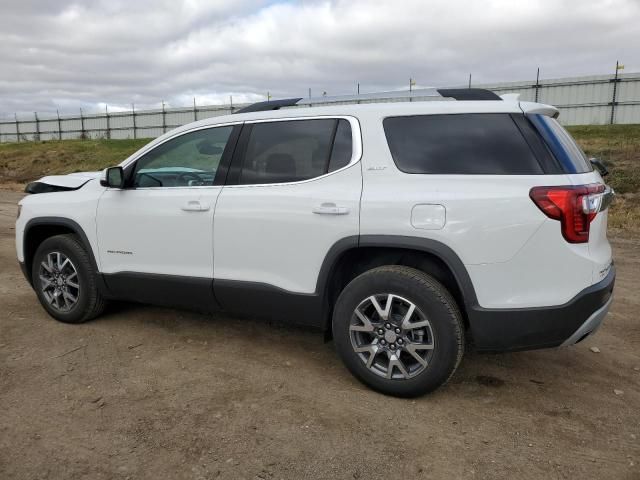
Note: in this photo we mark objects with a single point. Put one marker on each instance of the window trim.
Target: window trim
(130, 165)
(356, 149)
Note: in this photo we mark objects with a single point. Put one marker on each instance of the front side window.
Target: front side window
(475, 143)
(189, 160)
(296, 150)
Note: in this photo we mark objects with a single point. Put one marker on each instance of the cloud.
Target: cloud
(68, 54)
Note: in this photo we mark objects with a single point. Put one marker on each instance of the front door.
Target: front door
(158, 232)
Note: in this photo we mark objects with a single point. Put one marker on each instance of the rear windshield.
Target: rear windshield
(474, 143)
(562, 144)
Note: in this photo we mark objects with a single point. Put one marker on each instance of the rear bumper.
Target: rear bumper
(542, 327)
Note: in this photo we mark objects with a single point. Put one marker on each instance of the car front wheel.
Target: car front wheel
(65, 280)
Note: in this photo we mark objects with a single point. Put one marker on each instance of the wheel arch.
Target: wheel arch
(352, 256)
(39, 229)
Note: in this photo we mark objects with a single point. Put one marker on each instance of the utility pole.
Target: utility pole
(537, 84)
(469, 80)
(195, 110)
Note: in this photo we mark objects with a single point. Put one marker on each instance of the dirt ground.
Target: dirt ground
(145, 392)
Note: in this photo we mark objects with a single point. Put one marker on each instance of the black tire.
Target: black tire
(89, 302)
(431, 299)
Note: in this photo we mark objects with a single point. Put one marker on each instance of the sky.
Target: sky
(66, 55)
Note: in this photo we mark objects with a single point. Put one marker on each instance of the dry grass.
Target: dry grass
(618, 146)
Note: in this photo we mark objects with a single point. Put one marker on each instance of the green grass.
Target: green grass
(617, 145)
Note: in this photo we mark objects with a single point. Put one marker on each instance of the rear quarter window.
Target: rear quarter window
(476, 143)
(561, 143)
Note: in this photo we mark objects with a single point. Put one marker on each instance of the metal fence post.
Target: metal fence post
(82, 132)
(195, 110)
(36, 138)
(231, 103)
(133, 115)
(59, 125)
(17, 127)
(164, 119)
(106, 112)
(615, 91)
(537, 87)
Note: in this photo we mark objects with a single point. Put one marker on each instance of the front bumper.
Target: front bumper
(542, 327)
(23, 267)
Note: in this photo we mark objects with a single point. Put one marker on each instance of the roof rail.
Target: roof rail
(468, 94)
(403, 95)
(269, 105)
(423, 94)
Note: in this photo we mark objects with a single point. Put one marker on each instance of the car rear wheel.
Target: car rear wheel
(65, 280)
(398, 330)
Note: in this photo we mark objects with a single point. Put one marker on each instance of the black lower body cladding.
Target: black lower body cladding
(539, 327)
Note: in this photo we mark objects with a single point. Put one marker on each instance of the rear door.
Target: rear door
(293, 191)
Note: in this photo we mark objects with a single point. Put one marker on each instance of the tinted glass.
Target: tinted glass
(288, 151)
(476, 143)
(342, 146)
(189, 160)
(562, 144)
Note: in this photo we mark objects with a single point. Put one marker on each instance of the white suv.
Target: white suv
(397, 227)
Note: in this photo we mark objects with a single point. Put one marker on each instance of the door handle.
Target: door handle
(330, 209)
(194, 206)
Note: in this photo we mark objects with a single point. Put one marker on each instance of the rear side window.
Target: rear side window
(564, 147)
(292, 151)
(475, 143)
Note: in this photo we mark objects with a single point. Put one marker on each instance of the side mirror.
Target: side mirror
(596, 162)
(113, 177)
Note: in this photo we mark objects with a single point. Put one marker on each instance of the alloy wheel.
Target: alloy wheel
(59, 281)
(392, 336)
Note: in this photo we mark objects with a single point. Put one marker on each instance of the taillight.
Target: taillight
(574, 205)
